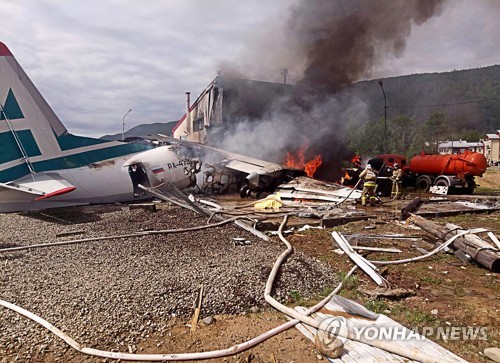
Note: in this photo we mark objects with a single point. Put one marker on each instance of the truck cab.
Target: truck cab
(384, 165)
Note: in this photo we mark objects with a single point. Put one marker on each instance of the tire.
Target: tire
(424, 182)
(442, 182)
(245, 192)
(471, 185)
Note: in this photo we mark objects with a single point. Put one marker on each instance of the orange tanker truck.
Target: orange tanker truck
(455, 171)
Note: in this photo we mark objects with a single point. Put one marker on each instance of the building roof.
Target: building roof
(493, 136)
(243, 97)
(459, 144)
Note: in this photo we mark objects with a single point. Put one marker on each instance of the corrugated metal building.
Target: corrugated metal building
(225, 102)
(459, 146)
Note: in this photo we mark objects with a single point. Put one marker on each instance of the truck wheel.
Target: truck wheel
(245, 192)
(424, 182)
(471, 185)
(442, 182)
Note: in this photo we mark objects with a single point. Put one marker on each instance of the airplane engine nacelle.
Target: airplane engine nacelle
(156, 166)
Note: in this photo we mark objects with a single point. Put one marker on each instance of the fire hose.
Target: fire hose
(130, 235)
(348, 195)
(168, 356)
(306, 319)
(298, 317)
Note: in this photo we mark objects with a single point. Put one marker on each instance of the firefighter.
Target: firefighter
(397, 174)
(369, 177)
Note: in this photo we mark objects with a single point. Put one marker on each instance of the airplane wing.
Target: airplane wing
(40, 185)
(259, 175)
(248, 165)
(231, 160)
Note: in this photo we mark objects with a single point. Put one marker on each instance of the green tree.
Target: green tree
(436, 129)
(402, 130)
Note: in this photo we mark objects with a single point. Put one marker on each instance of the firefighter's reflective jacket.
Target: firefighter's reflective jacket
(368, 175)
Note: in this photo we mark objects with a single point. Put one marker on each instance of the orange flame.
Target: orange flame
(356, 159)
(313, 165)
(347, 176)
(298, 161)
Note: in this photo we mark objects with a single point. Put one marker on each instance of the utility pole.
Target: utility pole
(385, 116)
(123, 124)
(284, 73)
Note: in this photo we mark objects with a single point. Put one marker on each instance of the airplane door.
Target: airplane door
(138, 175)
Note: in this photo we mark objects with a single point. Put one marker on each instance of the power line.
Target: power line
(447, 104)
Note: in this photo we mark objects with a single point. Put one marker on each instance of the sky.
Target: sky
(94, 60)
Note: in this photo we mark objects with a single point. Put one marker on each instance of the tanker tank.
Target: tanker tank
(467, 163)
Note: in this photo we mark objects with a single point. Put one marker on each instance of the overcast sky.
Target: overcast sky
(94, 60)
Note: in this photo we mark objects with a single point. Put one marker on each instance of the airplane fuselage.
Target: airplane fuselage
(106, 181)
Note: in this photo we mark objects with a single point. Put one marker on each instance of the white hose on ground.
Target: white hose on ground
(305, 318)
(130, 235)
(433, 252)
(379, 343)
(235, 349)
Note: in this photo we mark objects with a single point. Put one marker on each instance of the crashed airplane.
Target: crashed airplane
(43, 166)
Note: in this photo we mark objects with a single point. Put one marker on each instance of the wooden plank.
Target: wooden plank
(377, 249)
(338, 221)
(357, 352)
(486, 257)
(354, 347)
(339, 303)
(359, 260)
(450, 213)
(494, 239)
(252, 230)
(194, 322)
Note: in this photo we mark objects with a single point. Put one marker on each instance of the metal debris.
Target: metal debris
(239, 241)
(359, 260)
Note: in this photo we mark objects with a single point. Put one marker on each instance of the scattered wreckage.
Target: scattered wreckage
(313, 200)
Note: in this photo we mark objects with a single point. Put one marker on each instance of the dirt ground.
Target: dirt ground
(490, 180)
(444, 292)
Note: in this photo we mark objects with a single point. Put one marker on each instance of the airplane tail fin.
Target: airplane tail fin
(28, 126)
(17, 88)
(32, 137)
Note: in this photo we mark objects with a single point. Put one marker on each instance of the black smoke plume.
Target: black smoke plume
(337, 42)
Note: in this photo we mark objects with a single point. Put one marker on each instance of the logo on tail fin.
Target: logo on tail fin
(10, 108)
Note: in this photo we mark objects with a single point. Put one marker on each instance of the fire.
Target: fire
(298, 161)
(312, 165)
(356, 160)
(347, 176)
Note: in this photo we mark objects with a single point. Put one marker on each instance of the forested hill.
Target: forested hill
(144, 130)
(469, 99)
(423, 109)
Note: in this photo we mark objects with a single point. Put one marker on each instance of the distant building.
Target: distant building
(459, 146)
(492, 147)
(224, 103)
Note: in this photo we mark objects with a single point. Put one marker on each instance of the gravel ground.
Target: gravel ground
(112, 294)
